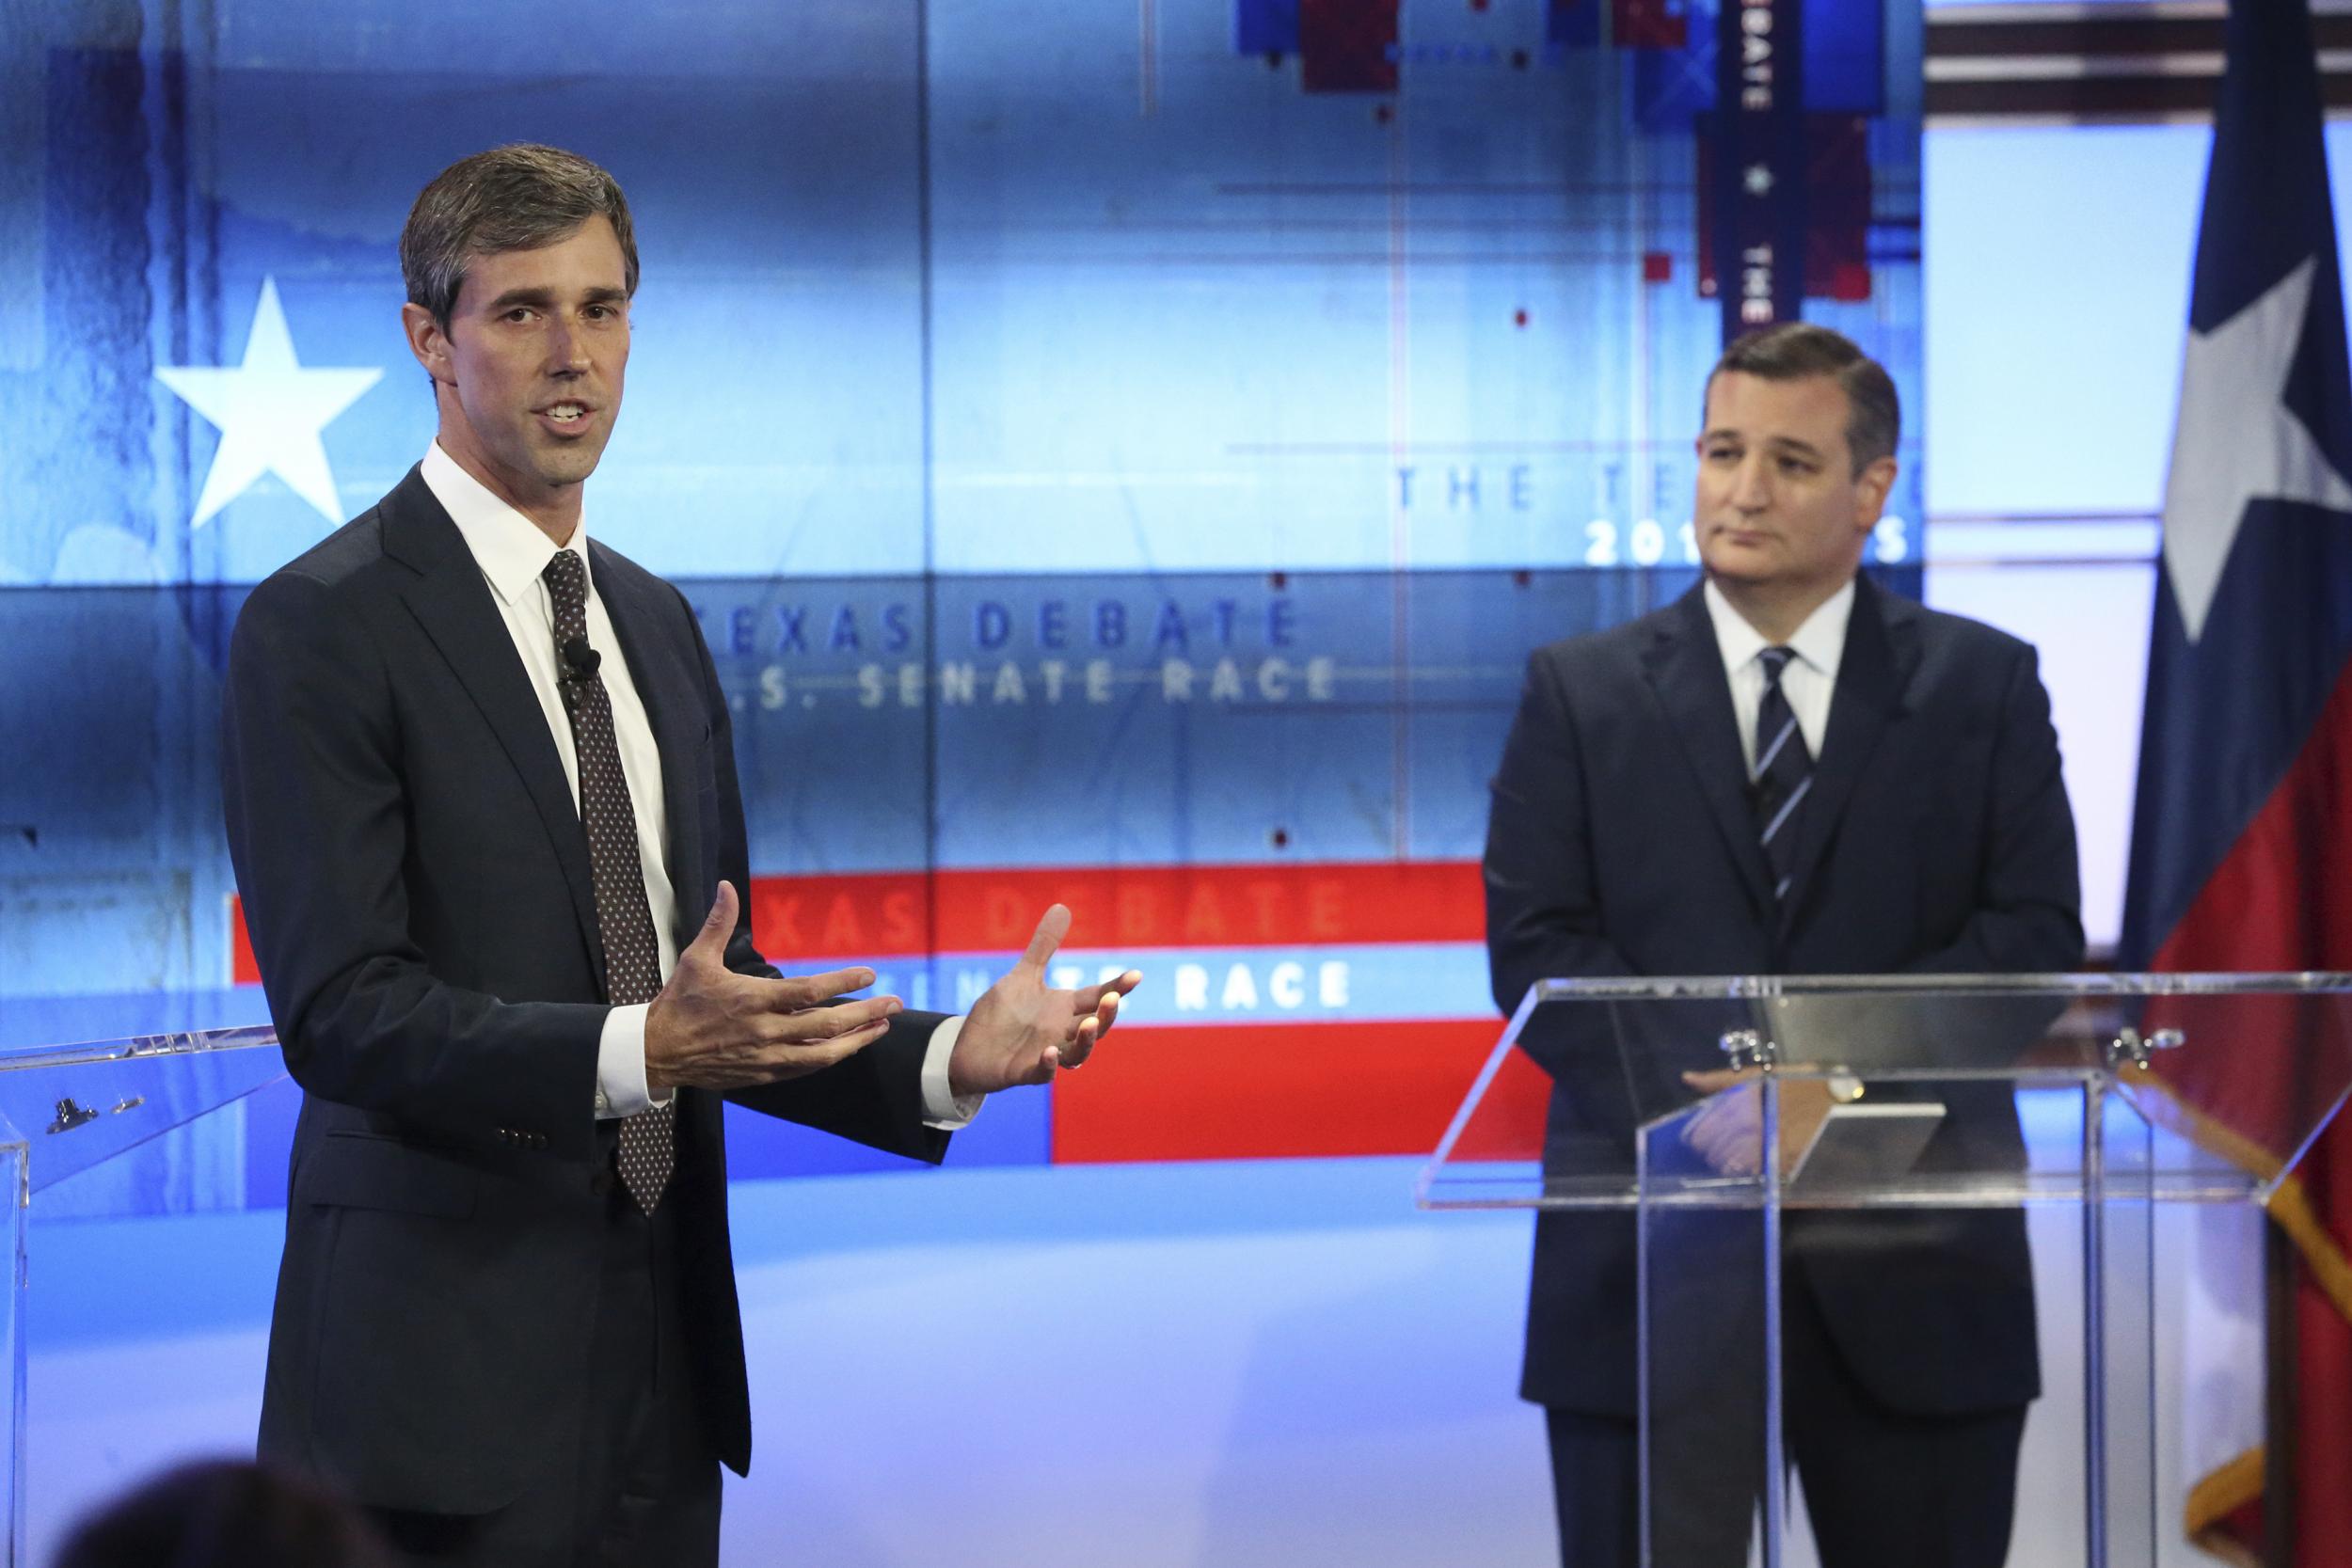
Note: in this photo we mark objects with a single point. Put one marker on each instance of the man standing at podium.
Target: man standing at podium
(481, 791)
(1787, 771)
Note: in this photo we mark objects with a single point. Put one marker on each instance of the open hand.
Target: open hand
(1024, 1032)
(715, 1029)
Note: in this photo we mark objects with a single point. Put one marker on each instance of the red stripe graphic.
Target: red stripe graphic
(1201, 1091)
(1263, 1091)
(242, 970)
(909, 914)
(887, 915)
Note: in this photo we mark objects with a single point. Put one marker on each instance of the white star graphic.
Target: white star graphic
(269, 411)
(1760, 179)
(2236, 442)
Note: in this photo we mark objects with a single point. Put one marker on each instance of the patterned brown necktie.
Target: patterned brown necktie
(632, 960)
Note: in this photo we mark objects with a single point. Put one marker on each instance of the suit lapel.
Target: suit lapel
(640, 607)
(453, 605)
(1874, 672)
(1686, 671)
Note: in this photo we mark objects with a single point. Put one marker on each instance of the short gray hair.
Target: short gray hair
(517, 198)
(1796, 351)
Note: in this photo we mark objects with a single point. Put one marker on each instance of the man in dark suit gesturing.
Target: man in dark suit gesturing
(1789, 771)
(481, 790)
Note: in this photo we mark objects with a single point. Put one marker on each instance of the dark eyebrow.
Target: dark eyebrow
(542, 298)
(1786, 445)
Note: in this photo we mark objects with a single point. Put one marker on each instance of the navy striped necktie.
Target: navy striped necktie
(1782, 775)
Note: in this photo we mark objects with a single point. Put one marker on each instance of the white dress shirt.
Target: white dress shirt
(1808, 680)
(513, 553)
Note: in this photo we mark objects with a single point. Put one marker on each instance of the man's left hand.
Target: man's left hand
(1728, 1132)
(1023, 1031)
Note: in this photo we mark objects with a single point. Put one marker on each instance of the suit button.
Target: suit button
(601, 1183)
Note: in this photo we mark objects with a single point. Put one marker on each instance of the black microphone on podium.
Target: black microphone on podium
(582, 658)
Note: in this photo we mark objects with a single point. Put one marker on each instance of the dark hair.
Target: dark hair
(518, 198)
(1794, 351)
(223, 1513)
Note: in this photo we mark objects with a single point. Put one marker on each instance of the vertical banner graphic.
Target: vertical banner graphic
(1120, 454)
(1757, 164)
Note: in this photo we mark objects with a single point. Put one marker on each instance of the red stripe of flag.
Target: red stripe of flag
(2277, 901)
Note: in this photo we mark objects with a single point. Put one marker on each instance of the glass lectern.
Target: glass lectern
(1878, 1136)
(65, 1109)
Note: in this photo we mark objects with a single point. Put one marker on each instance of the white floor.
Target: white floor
(1209, 1365)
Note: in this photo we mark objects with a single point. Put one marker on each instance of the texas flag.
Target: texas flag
(2242, 839)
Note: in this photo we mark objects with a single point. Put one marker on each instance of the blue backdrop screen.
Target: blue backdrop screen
(1099, 441)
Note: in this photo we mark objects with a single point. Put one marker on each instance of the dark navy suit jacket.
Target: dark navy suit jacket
(1937, 839)
(416, 880)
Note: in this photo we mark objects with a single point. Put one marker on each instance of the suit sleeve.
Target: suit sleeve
(2029, 906)
(316, 814)
(874, 1097)
(1544, 918)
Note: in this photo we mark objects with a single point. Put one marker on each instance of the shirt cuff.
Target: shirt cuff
(942, 1107)
(621, 1089)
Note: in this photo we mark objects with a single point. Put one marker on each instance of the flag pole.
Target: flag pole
(2280, 1266)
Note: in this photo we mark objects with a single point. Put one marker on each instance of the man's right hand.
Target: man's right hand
(714, 1029)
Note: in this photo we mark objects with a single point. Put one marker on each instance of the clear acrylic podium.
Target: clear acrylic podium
(1896, 1124)
(66, 1108)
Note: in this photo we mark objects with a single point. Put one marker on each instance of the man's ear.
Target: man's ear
(428, 340)
(1871, 487)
